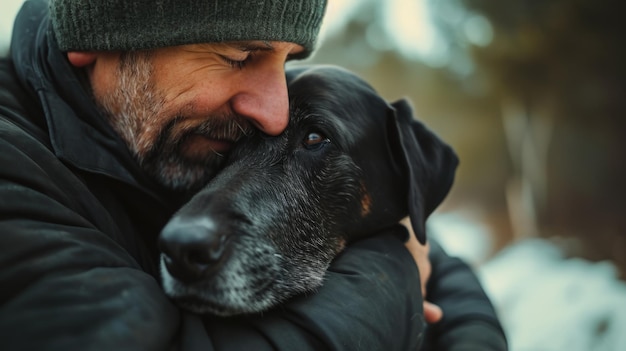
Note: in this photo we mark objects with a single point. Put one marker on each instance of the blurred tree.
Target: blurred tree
(453, 104)
(529, 93)
(558, 69)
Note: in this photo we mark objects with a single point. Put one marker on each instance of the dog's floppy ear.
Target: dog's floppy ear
(427, 162)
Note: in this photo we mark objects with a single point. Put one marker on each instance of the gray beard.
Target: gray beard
(134, 111)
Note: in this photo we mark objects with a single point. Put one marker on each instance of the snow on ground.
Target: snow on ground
(546, 302)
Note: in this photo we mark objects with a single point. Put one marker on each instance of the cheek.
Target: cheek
(329, 190)
(195, 98)
(103, 74)
(192, 91)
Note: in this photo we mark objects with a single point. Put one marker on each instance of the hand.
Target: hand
(432, 312)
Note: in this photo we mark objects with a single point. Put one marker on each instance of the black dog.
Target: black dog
(267, 227)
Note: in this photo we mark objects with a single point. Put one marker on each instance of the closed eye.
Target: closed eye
(236, 64)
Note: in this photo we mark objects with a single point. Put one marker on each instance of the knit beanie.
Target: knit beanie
(94, 25)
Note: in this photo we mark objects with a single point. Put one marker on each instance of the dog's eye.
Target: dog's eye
(315, 140)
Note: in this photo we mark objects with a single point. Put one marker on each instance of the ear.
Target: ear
(428, 164)
(81, 58)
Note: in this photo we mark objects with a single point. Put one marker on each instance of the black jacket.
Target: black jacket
(78, 228)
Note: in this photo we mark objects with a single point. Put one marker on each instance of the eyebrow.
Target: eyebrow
(250, 46)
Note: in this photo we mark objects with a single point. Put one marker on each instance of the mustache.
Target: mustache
(167, 162)
(229, 128)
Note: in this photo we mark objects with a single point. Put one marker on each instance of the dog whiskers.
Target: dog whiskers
(217, 153)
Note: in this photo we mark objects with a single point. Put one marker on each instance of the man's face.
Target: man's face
(179, 109)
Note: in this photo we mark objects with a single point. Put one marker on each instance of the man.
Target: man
(111, 114)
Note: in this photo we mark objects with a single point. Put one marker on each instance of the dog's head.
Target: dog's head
(267, 227)
(406, 169)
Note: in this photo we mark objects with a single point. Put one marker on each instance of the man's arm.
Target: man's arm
(469, 320)
(65, 284)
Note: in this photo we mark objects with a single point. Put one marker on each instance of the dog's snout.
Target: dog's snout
(192, 248)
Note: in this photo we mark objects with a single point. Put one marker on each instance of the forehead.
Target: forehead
(339, 102)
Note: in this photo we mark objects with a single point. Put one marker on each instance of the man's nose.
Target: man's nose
(264, 100)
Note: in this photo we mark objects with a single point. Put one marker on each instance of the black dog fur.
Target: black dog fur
(267, 227)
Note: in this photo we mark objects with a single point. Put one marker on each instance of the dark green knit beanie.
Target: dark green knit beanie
(84, 25)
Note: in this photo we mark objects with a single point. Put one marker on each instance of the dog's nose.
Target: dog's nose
(192, 248)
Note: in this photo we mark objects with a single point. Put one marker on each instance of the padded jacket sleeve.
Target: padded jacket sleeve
(469, 320)
(66, 285)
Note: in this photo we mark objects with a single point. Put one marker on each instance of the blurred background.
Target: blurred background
(531, 95)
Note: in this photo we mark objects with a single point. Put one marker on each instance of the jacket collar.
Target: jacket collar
(79, 134)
